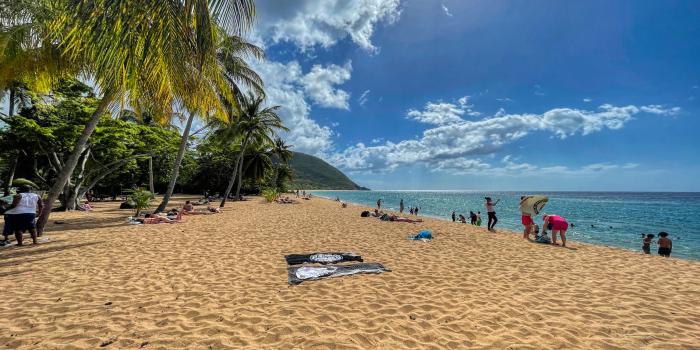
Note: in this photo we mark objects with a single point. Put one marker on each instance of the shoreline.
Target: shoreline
(508, 231)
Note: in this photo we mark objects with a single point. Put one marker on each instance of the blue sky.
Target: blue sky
(490, 95)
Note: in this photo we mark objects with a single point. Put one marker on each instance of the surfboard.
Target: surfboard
(533, 205)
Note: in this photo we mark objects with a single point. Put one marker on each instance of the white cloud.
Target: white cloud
(442, 113)
(538, 90)
(453, 138)
(363, 98)
(309, 23)
(446, 10)
(320, 81)
(284, 87)
(504, 99)
(587, 99)
(661, 110)
(509, 167)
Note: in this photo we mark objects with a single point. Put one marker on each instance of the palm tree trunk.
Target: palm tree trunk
(72, 201)
(11, 103)
(151, 187)
(67, 170)
(240, 180)
(11, 176)
(234, 173)
(176, 167)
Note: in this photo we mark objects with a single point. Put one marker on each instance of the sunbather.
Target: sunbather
(155, 219)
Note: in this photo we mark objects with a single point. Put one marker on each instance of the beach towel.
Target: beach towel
(300, 274)
(422, 235)
(321, 258)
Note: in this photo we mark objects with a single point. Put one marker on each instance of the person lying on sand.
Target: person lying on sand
(285, 200)
(155, 219)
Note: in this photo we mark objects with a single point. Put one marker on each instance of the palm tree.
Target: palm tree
(283, 154)
(164, 51)
(231, 54)
(254, 123)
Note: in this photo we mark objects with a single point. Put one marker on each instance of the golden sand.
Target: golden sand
(220, 282)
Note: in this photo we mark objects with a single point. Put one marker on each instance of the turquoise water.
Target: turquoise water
(618, 218)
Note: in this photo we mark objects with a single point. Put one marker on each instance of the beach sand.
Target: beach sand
(220, 282)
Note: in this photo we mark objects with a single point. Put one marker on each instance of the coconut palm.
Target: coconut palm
(254, 123)
(163, 51)
(231, 54)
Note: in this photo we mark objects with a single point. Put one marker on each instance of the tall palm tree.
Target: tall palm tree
(162, 50)
(231, 54)
(254, 123)
(281, 151)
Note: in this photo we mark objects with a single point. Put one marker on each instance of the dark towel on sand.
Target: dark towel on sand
(321, 258)
(306, 273)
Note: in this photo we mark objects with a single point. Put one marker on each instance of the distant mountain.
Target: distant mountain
(312, 173)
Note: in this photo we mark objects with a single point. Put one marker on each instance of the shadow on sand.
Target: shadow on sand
(30, 250)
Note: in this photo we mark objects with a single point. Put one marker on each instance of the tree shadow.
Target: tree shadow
(25, 251)
(12, 273)
(84, 223)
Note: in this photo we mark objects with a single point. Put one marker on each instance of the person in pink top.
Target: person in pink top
(558, 225)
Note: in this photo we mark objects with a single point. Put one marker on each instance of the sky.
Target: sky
(490, 95)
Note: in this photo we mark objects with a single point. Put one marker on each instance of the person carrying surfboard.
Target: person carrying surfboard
(525, 217)
(491, 212)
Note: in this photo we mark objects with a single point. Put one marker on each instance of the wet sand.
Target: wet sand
(220, 282)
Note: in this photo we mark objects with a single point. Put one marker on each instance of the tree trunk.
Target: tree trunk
(73, 199)
(240, 180)
(67, 169)
(11, 176)
(151, 187)
(114, 167)
(176, 167)
(11, 103)
(234, 173)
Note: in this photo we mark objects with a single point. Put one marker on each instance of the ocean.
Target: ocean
(615, 219)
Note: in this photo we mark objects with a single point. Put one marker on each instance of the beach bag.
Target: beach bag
(427, 234)
(365, 214)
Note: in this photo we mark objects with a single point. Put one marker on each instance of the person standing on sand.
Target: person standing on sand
(478, 218)
(472, 218)
(415, 211)
(525, 218)
(379, 203)
(453, 216)
(558, 225)
(401, 206)
(22, 212)
(491, 212)
(665, 244)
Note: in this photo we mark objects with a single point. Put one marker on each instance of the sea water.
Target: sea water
(614, 219)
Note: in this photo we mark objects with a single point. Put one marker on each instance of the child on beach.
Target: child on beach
(646, 243)
(462, 219)
(453, 216)
(665, 244)
(478, 218)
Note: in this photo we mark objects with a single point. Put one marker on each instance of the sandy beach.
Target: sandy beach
(220, 282)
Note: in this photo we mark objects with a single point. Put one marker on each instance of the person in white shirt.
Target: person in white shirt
(22, 212)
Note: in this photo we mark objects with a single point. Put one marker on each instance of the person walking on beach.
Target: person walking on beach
(453, 216)
(401, 206)
(525, 218)
(379, 203)
(556, 224)
(22, 212)
(491, 212)
(665, 244)
(646, 242)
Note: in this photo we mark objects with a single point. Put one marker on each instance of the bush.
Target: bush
(270, 194)
(141, 199)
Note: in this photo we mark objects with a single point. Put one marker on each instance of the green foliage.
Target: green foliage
(270, 194)
(141, 198)
(313, 173)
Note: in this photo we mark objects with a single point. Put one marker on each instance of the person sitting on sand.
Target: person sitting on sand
(86, 206)
(188, 207)
(343, 205)
(556, 224)
(462, 219)
(646, 242)
(665, 244)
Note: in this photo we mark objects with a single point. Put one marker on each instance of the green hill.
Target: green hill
(312, 173)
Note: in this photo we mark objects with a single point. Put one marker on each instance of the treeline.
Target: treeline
(161, 59)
